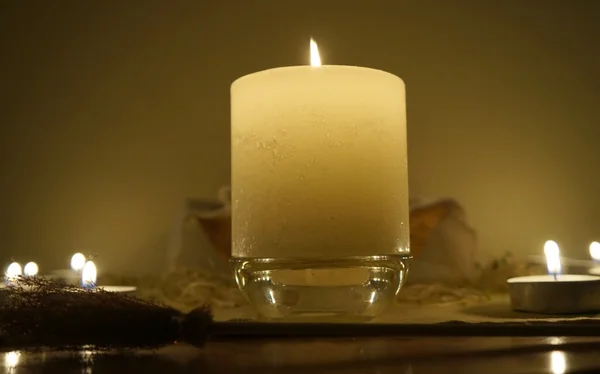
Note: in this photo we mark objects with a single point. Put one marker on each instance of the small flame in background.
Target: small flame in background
(78, 261)
(552, 253)
(88, 275)
(595, 251)
(315, 59)
(31, 269)
(13, 272)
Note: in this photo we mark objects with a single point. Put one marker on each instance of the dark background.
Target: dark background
(113, 111)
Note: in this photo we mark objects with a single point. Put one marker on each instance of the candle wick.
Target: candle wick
(555, 278)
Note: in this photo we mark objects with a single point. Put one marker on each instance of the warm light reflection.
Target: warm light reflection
(87, 356)
(558, 362)
(13, 271)
(373, 297)
(31, 269)
(552, 253)
(595, 251)
(555, 340)
(88, 275)
(11, 359)
(77, 262)
(315, 58)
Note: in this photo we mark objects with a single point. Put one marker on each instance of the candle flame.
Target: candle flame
(88, 275)
(31, 269)
(77, 261)
(315, 59)
(13, 271)
(595, 251)
(552, 253)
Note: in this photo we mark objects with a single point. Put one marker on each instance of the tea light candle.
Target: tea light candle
(555, 293)
(88, 280)
(319, 164)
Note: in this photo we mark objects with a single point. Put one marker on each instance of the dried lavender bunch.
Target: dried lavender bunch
(42, 313)
(184, 288)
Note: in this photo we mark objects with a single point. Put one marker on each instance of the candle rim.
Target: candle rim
(261, 73)
(566, 278)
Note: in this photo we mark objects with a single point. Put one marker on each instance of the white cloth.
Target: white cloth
(448, 257)
(450, 253)
(188, 245)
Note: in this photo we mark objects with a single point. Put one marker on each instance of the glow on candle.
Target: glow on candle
(552, 253)
(315, 58)
(78, 262)
(13, 271)
(595, 251)
(88, 275)
(31, 269)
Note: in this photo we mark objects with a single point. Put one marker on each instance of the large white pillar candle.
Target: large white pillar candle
(319, 164)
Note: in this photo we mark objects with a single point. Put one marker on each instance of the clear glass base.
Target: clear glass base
(330, 290)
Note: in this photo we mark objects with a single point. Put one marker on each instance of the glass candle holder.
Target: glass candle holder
(319, 191)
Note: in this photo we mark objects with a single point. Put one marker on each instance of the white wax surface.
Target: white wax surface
(319, 163)
(595, 271)
(559, 279)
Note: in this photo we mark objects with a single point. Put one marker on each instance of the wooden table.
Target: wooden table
(364, 355)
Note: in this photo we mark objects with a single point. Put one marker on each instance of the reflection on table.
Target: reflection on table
(364, 355)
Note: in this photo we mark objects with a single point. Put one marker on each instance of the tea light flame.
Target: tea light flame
(595, 251)
(77, 262)
(88, 275)
(315, 59)
(552, 253)
(31, 269)
(13, 272)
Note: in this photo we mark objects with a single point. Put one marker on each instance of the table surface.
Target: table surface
(495, 309)
(379, 355)
(350, 355)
